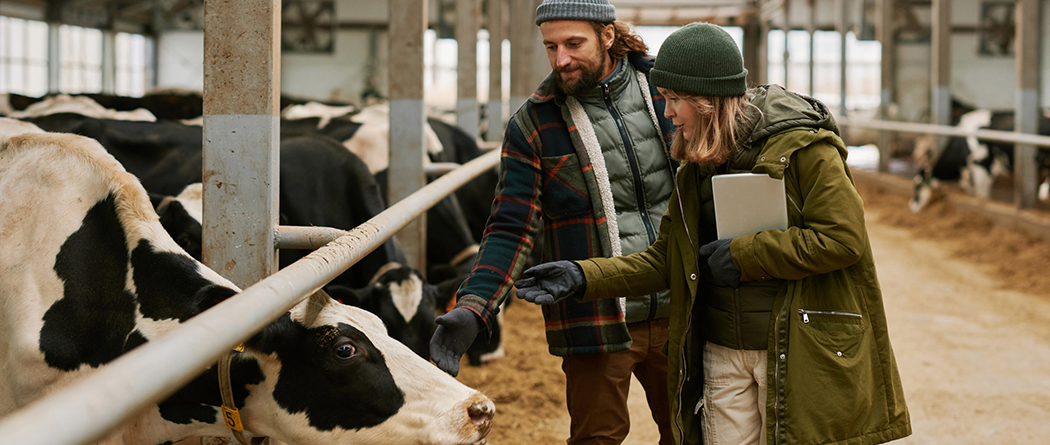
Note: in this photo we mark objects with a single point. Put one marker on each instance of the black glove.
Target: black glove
(721, 262)
(549, 283)
(455, 332)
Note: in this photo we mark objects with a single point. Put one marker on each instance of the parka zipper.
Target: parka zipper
(805, 314)
(688, 321)
(632, 161)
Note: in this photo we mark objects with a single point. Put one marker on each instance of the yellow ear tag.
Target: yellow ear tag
(239, 348)
(233, 418)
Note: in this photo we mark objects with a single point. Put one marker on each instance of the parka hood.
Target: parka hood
(784, 110)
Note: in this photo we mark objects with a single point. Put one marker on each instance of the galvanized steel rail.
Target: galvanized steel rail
(909, 127)
(90, 409)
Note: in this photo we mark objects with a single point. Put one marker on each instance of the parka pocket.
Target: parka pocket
(565, 193)
(832, 365)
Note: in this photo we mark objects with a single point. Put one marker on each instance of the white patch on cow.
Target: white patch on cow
(192, 199)
(195, 122)
(83, 105)
(973, 121)
(14, 127)
(316, 109)
(1044, 190)
(371, 142)
(5, 104)
(407, 295)
(921, 199)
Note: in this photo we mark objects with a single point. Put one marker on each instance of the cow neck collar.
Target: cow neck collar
(230, 414)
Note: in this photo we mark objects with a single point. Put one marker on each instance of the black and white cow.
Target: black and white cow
(974, 163)
(88, 273)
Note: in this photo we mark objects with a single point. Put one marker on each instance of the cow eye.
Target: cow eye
(345, 351)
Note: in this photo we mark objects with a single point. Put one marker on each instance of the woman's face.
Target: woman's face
(681, 112)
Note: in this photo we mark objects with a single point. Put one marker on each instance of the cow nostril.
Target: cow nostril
(480, 413)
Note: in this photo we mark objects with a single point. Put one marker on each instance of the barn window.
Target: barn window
(80, 56)
(132, 59)
(23, 56)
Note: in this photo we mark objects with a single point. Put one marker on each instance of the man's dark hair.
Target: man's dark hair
(624, 39)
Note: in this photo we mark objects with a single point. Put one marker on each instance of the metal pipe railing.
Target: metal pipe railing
(910, 127)
(88, 410)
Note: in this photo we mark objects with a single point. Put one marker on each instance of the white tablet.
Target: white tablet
(746, 203)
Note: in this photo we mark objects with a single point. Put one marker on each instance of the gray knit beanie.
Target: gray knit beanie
(587, 10)
(700, 58)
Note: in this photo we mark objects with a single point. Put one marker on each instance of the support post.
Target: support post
(109, 62)
(811, 27)
(1027, 111)
(522, 51)
(787, 53)
(941, 68)
(54, 58)
(843, 24)
(752, 55)
(242, 83)
(497, 25)
(408, 22)
(468, 18)
(884, 30)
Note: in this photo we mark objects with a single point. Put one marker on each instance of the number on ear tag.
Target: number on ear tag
(233, 418)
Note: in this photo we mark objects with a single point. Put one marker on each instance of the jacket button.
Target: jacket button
(783, 356)
(763, 158)
(839, 353)
(782, 159)
(692, 276)
(813, 130)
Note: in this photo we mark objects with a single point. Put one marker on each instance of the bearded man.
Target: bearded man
(586, 160)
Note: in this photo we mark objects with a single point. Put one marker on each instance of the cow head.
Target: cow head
(403, 300)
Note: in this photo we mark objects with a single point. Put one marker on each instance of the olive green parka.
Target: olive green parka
(832, 376)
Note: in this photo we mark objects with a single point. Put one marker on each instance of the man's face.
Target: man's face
(576, 53)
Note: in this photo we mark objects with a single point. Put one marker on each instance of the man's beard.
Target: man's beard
(588, 78)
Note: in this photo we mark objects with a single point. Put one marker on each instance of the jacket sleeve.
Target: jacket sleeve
(830, 233)
(640, 273)
(515, 221)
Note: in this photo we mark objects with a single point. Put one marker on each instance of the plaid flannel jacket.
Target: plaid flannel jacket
(547, 182)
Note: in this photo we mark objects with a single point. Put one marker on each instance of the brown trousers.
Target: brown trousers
(596, 387)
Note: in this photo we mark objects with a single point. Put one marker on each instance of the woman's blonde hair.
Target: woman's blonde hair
(715, 131)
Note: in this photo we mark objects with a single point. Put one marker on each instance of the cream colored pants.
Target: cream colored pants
(734, 404)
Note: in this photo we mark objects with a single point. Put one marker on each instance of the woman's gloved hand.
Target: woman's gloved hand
(721, 262)
(550, 283)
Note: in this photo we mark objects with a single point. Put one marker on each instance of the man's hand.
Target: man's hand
(455, 332)
(720, 261)
(550, 283)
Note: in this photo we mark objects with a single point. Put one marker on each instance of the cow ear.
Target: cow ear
(276, 334)
(211, 295)
(348, 296)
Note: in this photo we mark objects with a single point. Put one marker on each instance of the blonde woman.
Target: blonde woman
(777, 336)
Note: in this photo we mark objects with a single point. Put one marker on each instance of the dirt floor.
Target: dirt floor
(969, 317)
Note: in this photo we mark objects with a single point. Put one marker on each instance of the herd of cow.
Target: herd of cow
(974, 164)
(100, 252)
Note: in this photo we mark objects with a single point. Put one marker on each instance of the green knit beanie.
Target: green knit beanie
(702, 59)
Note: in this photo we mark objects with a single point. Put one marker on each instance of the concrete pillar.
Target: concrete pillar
(843, 23)
(941, 64)
(468, 21)
(497, 25)
(408, 22)
(811, 28)
(242, 90)
(109, 62)
(787, 29)
(522, 51)
(54, 58)
(1028, 60)
(752, 52)
(884, 33)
